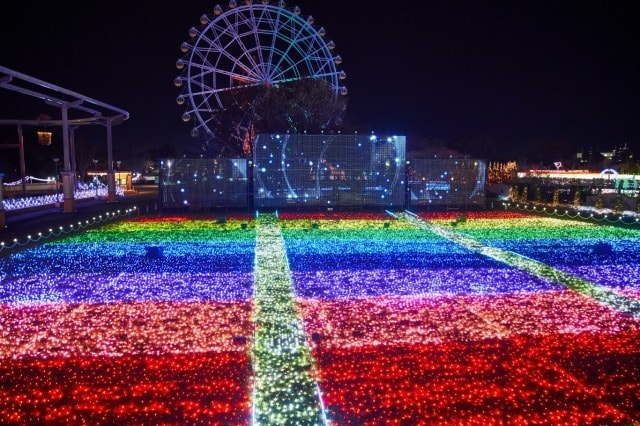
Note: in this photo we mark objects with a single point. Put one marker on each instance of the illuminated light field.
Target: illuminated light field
(153, 321)
(607, 255)
(193, 388)
(399, 335)
(99, 329)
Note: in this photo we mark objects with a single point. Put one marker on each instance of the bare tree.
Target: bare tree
(85, 152)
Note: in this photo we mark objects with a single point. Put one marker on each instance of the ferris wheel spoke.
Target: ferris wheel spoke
(317, 49)
(289, 71)
(263, 19)
(204, 124)
(203, 71)
(302, 63)
(203, 101)
(237, 38)
(292, 43)
(209, 45)
(277, 28)
(265, 29)
(306, 56)
(225, 54)
(204, 104)
(333, 78)
(196, 86)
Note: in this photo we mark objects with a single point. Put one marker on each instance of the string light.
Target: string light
(80, 192)
(17, 244)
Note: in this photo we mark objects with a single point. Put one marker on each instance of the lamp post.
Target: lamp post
(55, 163)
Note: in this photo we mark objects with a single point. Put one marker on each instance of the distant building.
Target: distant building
(618, 155)
(615, 156)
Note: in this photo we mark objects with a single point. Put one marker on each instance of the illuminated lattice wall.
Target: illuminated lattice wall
(450, 182)
(323, 171)
(204, 183)
(329, 170)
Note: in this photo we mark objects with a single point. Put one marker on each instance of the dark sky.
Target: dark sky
(497, 79)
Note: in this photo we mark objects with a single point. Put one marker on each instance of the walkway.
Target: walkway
(22, 224)
(285, 392)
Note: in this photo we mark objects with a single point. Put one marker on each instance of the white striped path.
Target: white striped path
(285, 391)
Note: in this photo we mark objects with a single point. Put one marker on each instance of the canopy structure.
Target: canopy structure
(76, 110)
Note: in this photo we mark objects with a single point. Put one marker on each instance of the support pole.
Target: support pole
(72, 148)
(23, 168)
(68, 174)
(111, 178)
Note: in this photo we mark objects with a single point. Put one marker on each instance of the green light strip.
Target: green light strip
(587, 288)
(285, 392)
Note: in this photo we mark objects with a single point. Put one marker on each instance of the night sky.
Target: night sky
(494, 79)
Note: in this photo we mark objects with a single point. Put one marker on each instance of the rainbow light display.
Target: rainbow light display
(345, 319)
(140, 322)
(609, 256)
(487, 337)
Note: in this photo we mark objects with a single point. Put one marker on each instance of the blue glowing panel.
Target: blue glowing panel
(194, 184)
(454, 182)
(329, 170)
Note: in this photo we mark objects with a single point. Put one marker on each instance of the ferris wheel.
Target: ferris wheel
(249, 44)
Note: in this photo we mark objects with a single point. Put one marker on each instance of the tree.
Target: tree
(306, 105)
(85, 152)
(303, 105)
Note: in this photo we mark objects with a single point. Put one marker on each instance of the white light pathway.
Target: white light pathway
(285, 391)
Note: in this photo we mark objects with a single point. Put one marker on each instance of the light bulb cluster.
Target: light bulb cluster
(590, 289)
(80, 193)
(560, 379)
(20, 243)
(605, 255)
(331, 217)
(413, 282)
(592, 213)
(136, 261)
(400, 320)
(116, 329)
(123, 271)
(190, 388)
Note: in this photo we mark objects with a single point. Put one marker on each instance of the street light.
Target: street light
(55, 163)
